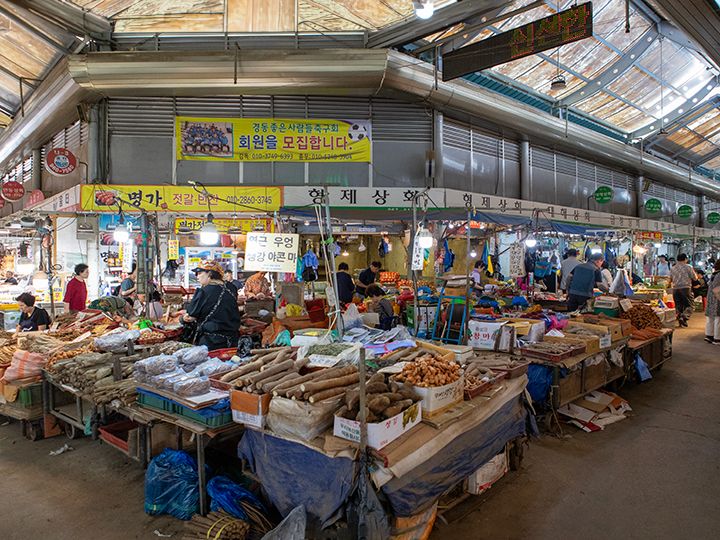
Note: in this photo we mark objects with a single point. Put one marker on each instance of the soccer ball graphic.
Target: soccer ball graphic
(357, 133)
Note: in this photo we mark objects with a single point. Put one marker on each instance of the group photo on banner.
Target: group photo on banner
(273, 139)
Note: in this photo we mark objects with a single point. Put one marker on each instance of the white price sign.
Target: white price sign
(272, 252)
(418, 256)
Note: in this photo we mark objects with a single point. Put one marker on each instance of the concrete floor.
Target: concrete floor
(655, 475)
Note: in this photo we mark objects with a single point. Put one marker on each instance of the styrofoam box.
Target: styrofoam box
(380, 434)
(482, 479)
(438, 398)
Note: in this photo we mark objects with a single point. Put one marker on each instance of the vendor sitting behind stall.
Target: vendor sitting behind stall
(583, 279)
(31, 318)
(345, 284)
(214, 308)
(368, 277)
(382, 306)
(479, 276)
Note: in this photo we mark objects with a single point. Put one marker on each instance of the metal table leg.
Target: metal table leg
(200, 439)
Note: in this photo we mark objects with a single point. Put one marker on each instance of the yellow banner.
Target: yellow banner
(273, 139)
(166, 198)
(223, 225)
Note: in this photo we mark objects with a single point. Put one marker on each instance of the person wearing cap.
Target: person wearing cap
(214, 309)
(583, 279)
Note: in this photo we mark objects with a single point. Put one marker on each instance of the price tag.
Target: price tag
(625, 304)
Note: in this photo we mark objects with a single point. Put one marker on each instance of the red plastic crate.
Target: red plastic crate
(117, 434)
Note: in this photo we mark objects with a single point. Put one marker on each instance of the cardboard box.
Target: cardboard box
(437, 399)
(443, 352)
(573, 340)
(483, 479)
(462, 352)
(534, 329)
(570, 386)
(595, 375)
(380, 434)
(249, 409)
(602, 331)
(592, 343)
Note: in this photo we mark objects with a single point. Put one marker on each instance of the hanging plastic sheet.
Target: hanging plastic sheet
(539, 382)
(421, 487)
(293, 474)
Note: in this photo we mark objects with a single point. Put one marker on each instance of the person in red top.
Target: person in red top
(76, 290)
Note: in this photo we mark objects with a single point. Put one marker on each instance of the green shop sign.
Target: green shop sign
(685, 211)
(653, 205)
(603, 195)
(713, 218)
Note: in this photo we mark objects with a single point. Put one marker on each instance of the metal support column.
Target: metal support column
(37, 166)
(436, 170)
(525, 173)
(93, 153)
(639, 184)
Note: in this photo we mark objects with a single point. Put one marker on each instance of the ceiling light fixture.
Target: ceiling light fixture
(424, 238)
(209, 232)
(121, 233)
(424, 9)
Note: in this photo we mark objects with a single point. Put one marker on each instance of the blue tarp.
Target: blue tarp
(539, 382)
(418, 489)
(293, 475)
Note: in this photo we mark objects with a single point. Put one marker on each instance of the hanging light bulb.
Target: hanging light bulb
(121, 234)
(473, 253)
(451, 225)
(424, 238)
(306, 223)
(345, 253)
(209, 233)
(530, 241)
(362, 247)
(424, 9)
(596, 250)
(657, 245)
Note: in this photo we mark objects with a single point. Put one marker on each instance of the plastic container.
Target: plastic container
(204, 417)
(153, 401)
(30, 395)
(223, 354)
(117, 434)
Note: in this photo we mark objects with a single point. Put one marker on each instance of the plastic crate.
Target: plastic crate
(30, 395)
(205, 416)
(153, 401)
(117, 434)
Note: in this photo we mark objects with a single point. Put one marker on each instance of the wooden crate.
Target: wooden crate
(570, 386)
(595, 376)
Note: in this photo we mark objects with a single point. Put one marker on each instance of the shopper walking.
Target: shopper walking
(663, 266)
(682, 277)
(566, 268)
(607, 277)
(712, 310)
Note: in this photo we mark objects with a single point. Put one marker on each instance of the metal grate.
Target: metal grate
(456, 135)
(566, 164)
(542, 159)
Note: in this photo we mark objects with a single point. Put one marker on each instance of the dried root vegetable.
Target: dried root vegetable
(642, 316)
(428, 371)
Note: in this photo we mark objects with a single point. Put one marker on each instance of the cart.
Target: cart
(26, 406)
(69, 407)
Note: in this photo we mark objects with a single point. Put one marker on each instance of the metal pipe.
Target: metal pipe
(639, 185)
(330, 255)
(525, 172)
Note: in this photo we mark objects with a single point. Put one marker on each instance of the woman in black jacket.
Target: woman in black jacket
(214, 308)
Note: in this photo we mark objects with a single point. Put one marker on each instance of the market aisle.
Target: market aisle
(93, 492)
(655, 475)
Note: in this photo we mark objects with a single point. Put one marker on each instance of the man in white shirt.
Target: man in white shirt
(681, 278)
(663, 266)
(566, 268)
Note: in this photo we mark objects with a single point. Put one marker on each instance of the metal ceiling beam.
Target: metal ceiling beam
(712, 155)
(708, 137)
(34, 29)
(675, 115)
(473, 26)
(78, 20)
(615, 70)
(413, 28)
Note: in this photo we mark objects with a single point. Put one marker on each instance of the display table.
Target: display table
(412, 472)
(655, 352)
(576, 376)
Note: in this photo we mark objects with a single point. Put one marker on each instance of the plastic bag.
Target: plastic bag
(117, 341)
(351, 318)
(24, 365)
(283, 339)
(214, 366)
(290, 528)
(166, 380)
(155, 365)
(621, 284)
(192, 386)
(171, 485)
(192, 355)
(299, 419)
(226, 495)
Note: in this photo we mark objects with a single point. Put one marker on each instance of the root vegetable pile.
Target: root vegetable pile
(383, 400)
(429, 370)
(496, 361)
(642, 316)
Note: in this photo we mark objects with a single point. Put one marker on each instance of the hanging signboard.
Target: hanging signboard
(418, 256)
(649, 235)
(223, 225)
(12, 191)
(564, 27)
(60, 161)
(106, 198)
(36, 197)
(653, 206)
(603, 195)
(685, 211)
(273, 139)
(388, 198)
(272, 252)
(713, 218)
(173, 250)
